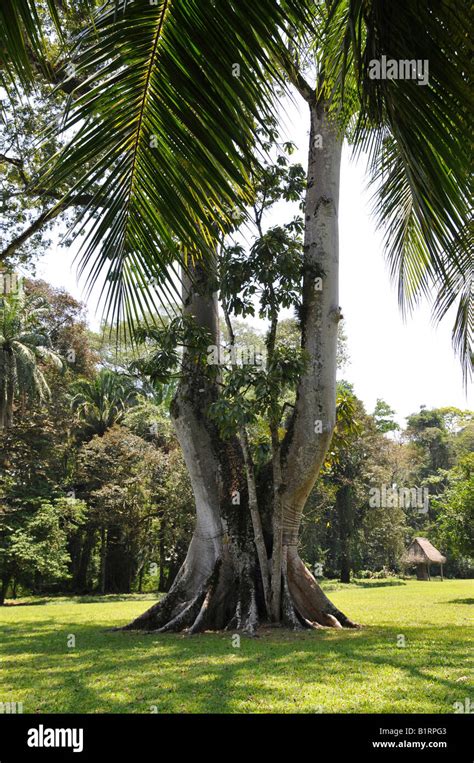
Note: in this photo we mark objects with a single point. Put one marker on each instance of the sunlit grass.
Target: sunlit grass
(322, 671)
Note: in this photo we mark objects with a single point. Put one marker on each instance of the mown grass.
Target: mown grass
(321, 671)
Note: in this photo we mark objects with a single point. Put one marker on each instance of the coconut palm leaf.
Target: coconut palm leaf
(21, 33)
(416, 137)
(451, 277)
(165, 133)
(25, 34)
(457, 284)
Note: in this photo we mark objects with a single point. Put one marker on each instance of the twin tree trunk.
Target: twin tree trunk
(220, 584)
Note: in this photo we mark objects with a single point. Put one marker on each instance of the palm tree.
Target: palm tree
(171, 95)
(102, 402)
(23, 346)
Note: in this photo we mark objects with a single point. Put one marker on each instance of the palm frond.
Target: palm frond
(416, 136)
(21, 29)
(165, 134)
(102, 401)
(25, 27)
(457, 285)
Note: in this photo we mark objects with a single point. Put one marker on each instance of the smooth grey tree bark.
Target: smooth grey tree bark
(217, 584)
(314, 417)
(220, 582)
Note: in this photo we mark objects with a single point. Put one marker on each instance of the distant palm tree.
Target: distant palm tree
(23, 342)
(102, 402)
(171, 99)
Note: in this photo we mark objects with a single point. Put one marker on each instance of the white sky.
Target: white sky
(407, 363)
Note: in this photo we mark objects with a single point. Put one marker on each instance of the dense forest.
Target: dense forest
(94, 492)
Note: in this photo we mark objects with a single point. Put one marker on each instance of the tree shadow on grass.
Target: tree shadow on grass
(13, 603)
(379, 583)
(84, 599)
(358, 671)
(113, 597)
(337, 586)
(459, 601)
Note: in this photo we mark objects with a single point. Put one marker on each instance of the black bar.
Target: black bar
(154, 737)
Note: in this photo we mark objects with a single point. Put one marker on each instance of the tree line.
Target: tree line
(94, 492)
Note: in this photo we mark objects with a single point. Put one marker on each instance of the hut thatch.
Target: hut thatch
(422, 553)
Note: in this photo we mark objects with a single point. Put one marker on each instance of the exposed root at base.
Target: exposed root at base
(224, 602)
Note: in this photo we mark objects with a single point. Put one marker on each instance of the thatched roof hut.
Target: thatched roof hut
(422, 553)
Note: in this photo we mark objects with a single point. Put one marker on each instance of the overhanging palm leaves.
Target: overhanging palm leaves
(417, 138)
(24, 34)
(166, 130)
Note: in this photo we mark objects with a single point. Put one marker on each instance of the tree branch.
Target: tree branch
(297, 80)
(15, 162)
(11, 160)
(303, 87)
(55, 75)
(42, 220)
(33, 228)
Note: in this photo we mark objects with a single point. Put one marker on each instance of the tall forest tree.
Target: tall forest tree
(166, 135)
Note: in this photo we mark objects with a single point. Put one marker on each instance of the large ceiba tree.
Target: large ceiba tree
(166, 101)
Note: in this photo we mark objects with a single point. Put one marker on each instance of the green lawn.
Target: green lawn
(320, 671)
